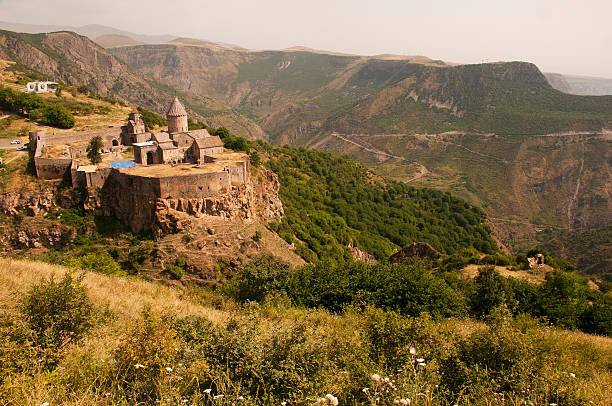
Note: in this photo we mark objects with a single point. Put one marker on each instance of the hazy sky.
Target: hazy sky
(566, 36)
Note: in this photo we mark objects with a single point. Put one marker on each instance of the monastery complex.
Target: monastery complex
(178, 170)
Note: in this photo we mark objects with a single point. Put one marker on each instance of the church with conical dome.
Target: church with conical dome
(177, 145)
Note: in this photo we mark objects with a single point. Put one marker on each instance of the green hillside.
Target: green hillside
(329, 201)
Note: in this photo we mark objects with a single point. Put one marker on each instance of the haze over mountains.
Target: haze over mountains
(110, 37)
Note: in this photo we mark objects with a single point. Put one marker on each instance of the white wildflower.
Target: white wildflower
(331, 399)
(207, 390)
(420, 360)
(422, 364)
(552, 404)
(572, 375)
(376, 378)
(283, 403)
(45, 404)
(240, 397)
(137, 366)
(218, 396)
(412, 351)
(168, 369)
(364, 390)
(405, 402)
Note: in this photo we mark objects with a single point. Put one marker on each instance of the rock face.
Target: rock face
(268, 205)
(416, 250)
(359, 255)
(55, 236)
(29, 202)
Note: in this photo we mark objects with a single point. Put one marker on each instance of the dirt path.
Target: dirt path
(422, 169)
(8, 161)
(476, 152)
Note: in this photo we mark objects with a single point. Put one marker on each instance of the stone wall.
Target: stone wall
(107, 134)
(131, 199)
(196, 186)
(53, 168)
(137, 200)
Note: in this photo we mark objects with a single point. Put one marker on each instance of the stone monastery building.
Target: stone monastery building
(178, 145)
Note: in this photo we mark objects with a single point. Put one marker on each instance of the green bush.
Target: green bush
(95, 262)
(490, 290)
(257, 279)
(57, 116)
(140, 253)
(409, 290)
(151, 119)
(58, 313)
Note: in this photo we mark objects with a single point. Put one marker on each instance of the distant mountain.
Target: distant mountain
(91, 31)
(110, 41)
(76, 60)
(300, 96)
(580, 85)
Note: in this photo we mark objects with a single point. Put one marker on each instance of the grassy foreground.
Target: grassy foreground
(152, 344)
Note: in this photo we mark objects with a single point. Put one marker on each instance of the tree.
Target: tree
(490, 291)
(93, 149)
(57, 116)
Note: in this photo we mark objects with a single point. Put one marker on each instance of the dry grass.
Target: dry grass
(125, 297)
(588, 356)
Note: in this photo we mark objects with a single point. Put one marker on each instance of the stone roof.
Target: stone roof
(209, 142)
(161, 137)
(167, 145)
(176, 109)
(199, 133)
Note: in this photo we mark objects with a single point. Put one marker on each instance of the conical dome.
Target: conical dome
(176, 109)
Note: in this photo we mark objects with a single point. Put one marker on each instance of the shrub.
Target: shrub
(409, 290)
(146, 350)
(139, 254)
(177, 270)
(490, 290)
(101, 263)
(58, 312)
(57, 116)
(255, 280)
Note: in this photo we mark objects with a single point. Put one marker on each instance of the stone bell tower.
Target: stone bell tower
(177, 117)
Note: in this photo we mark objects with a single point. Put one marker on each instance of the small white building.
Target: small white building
(41, 87)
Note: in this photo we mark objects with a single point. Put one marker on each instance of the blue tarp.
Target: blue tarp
(123, 164)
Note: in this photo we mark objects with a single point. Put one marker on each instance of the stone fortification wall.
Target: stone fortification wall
(130, 198)
(97, 179)
(37, 142)
(140, 201)
(107, 134)
(53, 168)
(196, 186)
(239, 173)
